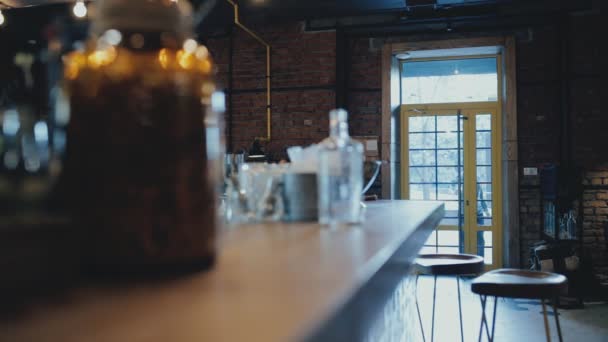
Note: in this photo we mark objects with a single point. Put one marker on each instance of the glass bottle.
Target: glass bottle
(340, 174)
(144, 145)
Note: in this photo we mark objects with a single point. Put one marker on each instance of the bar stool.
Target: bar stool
(448, 265)
(513, 283)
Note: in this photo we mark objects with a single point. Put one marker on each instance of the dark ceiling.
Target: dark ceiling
(369, 16)
(392, 15)
(320, 8)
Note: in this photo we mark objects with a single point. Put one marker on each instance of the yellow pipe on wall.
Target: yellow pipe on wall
(238, 23)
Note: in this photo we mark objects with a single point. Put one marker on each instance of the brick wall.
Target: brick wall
(540, 95)
(303, 81)
(529, 217)
(595, 219)
(304, 76)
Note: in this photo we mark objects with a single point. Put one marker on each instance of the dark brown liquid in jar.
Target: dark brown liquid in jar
(136, 157)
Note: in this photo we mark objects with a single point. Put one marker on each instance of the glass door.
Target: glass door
(451, 155)
(435, 171)
(485, 183)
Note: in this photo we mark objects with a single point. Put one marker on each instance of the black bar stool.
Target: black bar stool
(447, 265)
(513, 283)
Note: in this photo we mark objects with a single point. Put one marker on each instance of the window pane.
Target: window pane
(422, 158)
(447, 123)
(484, 213)
(451, 206)
(425, 192)
(488, 257)
(486, 254)
(449, 140)
(449, 157)
(484, 222)
(448, 238)
(422, 174)
(448, 174)
(431, 240)
(422, 140)
(483, 122)
(448, 250)
(484, 139)
(484, 156)
(484, 238)
(422, 124)
(455, 80)
(428, 250)
(484, 174)
(484, 208)
(484, 192)
(448, 192)
(484, 246)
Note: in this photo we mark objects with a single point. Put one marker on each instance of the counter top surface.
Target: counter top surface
(272, 282)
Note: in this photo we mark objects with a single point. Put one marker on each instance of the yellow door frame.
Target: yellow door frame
(469, 110)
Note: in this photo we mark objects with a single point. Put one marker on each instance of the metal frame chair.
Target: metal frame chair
(445, 264)
(513, 283)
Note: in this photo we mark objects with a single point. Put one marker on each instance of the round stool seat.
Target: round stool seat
(449, 264)
(516, 283)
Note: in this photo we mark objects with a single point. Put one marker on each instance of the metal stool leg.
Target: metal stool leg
(494, 318)
(547, 332)
(482, 299)
(418, 309)
(484, 321)
(433, 318)
(460, 309)
(559, 329)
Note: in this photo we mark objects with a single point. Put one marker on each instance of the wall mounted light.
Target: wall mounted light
(80, 9)
(1, 18)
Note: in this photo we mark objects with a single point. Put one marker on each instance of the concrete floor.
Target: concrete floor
(516, 320)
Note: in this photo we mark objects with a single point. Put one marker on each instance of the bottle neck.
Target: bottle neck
(338, 129)
(338, 124)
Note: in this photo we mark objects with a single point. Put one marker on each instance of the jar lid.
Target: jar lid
(143, 15)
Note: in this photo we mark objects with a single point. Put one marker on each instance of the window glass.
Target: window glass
(448, 81)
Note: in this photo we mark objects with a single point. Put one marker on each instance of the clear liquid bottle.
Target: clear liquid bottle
(340, 174)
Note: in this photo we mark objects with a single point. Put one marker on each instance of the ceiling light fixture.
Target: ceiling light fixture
(403, 56)
(80, 9)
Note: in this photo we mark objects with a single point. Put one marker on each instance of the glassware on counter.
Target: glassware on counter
(300, 197)
(255, 195)
(232, 164)
(340, 174)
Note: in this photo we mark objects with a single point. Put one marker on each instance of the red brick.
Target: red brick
(595, 204)
(602, 195)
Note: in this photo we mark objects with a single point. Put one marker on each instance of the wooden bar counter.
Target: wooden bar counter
(272, 282)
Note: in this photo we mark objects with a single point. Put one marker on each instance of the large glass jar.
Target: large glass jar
(142, 167)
